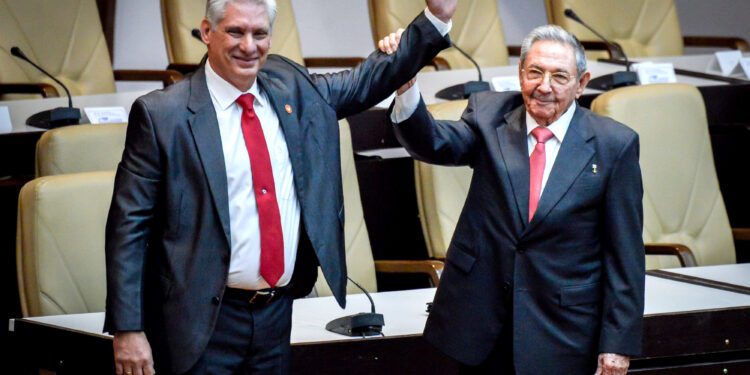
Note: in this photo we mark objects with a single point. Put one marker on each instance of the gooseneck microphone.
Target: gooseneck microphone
(362, 324)
(52, 118)
(196, 33)
(463, 90)
(608, 81)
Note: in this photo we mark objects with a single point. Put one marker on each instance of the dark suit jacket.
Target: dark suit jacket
(168, 240)
(572, 280)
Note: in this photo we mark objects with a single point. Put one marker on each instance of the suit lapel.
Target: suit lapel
(515, 153)
(205, 130)
(573, 156)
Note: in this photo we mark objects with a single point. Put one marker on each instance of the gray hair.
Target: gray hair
(557, 34)
(215, 9)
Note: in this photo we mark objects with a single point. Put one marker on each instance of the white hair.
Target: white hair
(215, 9)
(557, 34)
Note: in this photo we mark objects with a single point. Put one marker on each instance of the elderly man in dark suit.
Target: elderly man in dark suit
(229, 196)
(545, 271)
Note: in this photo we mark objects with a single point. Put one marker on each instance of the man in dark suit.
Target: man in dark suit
(229, 196)
(545, 271)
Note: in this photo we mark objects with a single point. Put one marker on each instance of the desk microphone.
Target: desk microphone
(52, 118)
(609, 81)
(463, 90)
(196, 33)
(362, 324)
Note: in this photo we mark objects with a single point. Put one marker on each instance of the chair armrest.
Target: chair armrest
(183, 68)
(741, 234)
(716, 41)
(432, 268)
(167, 77)
(514, 50)
(332, 62)
(44, 89)
(598, 45)
(680, 251)
(440, 63)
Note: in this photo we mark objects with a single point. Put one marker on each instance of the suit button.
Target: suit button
(216, 300)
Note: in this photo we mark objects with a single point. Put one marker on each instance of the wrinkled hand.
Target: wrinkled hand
(132, 354)
(442, 9)
(612, 364)
(389, 45)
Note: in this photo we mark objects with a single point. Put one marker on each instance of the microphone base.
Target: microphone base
(359, 325)
(613, 81)
(463, 90)
(55, 118)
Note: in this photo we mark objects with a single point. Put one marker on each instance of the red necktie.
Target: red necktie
(537, 161)
(271, 236)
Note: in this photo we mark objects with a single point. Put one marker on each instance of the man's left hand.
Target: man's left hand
(612, 364)
(442, 9)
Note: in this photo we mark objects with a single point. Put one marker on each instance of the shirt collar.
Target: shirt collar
(559, 127)
(225, 94)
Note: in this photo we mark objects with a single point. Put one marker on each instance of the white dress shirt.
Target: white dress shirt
(244, 264)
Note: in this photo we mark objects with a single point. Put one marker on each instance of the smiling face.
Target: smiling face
(546, 95)
(238, 45)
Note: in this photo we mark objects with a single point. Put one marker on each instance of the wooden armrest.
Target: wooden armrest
(183, 68)
(332, 62)
(598, 45)
(440, 64)
(716, 41)
(514, 50)
(44, 89)
(741, 234)
(167, 77)
(680, 251)
(432, 268)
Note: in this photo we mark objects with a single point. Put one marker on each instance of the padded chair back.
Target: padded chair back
(180, 17)
(63, 37)
(476, 29)
(441, 191)
(60, 243)
(359, 262)
(641, 27)
(80, 148)
(682, 202)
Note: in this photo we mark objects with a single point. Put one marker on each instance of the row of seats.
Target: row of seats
(80, 59)
(62, 215)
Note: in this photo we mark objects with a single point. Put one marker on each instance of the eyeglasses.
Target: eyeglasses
(556, 78)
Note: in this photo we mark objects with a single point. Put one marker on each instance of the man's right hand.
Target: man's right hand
(442, 9)
(133, 354)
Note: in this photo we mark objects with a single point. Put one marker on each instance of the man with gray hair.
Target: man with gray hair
(545, 271)
(229, 196)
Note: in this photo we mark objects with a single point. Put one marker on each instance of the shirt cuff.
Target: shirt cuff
(442, 27)
(405, 104)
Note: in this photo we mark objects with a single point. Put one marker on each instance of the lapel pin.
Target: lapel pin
(288, 108)
(593, 168)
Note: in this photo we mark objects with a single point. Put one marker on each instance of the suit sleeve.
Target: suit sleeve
(130, 221)
(353, 91)
(623, 256)
(440, 142)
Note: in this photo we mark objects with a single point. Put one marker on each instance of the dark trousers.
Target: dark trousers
(249, 339)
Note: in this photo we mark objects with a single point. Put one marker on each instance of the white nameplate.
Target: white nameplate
(106, 115)
(506, 83)
(649, 73)
(745, 65)
(725, 63)
(5, 125)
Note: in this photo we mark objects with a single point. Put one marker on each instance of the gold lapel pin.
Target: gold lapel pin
(593, 168)
(288, 108)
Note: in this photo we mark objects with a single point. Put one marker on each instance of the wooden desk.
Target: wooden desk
(685, 327)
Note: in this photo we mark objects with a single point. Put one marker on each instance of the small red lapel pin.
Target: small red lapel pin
(288, 108)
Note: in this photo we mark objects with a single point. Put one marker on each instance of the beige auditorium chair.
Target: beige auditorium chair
(441, 191)
(682, 203)
(66, 39)
(359, 261)
(476, 30)
(60, 243)
(80, 148)
(180, 17)
(641, 27)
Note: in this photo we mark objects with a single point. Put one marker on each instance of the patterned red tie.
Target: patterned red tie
(271, 236)
(537, 161)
